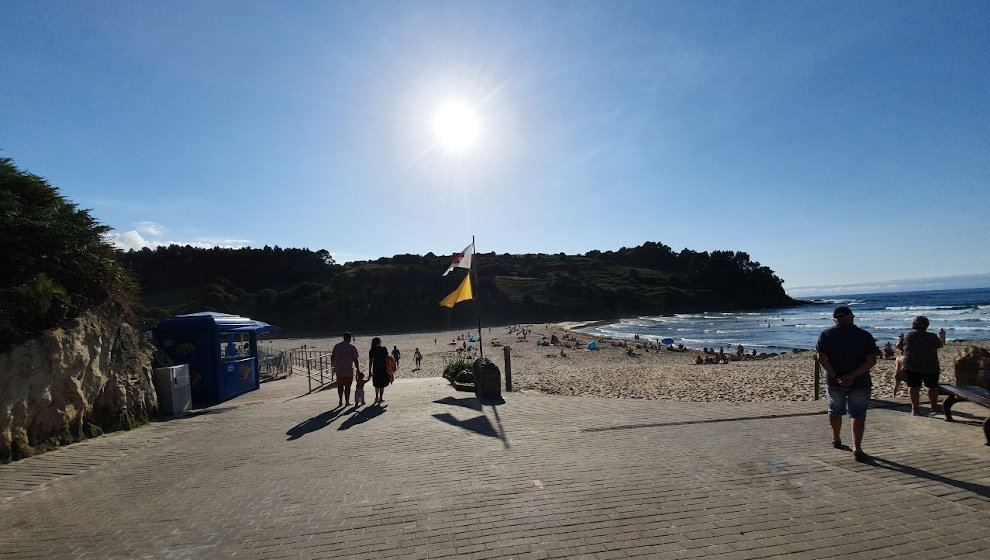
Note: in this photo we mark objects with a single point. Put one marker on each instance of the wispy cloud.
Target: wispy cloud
(150, 228)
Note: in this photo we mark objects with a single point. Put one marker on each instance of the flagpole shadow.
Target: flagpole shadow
(481, 424)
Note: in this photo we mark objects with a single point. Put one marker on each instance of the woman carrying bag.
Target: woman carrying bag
(377, 361)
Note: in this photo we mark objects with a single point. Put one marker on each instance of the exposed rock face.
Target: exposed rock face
(89, 377)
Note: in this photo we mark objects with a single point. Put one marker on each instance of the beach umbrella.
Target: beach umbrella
(592, 345)
(667, 341)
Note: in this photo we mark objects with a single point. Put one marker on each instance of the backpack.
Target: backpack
(390, 368)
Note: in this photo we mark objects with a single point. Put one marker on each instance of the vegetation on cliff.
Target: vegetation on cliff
(55, 261)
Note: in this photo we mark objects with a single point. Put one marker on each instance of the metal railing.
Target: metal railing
(273, 365)
(315, 365)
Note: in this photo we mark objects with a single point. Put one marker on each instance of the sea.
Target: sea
(964, 314)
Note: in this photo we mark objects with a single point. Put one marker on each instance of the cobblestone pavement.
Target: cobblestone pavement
(437, 474)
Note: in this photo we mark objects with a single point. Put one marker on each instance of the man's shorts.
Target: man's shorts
(915, 379)
(858, 399)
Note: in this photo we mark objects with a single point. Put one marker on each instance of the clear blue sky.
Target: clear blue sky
(842, 144)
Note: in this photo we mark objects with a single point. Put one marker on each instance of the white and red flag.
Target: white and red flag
(462, 259)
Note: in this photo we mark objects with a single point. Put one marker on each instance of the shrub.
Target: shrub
(55, 259)
(459, 371)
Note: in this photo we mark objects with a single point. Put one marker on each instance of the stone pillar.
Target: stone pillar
(487, 378)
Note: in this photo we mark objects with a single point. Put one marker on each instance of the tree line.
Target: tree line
(305, 291)
(56, 263)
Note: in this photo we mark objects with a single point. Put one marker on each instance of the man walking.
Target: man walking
(846, 353)
(396, 355)
(344, 362)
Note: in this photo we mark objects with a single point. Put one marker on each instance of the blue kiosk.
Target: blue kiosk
(221, 350)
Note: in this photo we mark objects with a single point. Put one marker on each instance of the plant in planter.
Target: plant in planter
(459, 372)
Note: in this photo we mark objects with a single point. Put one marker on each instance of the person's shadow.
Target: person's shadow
(974, 487)
(313, 424)
(362, 416)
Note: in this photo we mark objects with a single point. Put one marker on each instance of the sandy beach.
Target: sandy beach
(610, 372)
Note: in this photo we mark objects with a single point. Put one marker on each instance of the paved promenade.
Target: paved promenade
(437, 474)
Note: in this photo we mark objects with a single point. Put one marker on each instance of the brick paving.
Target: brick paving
(437, 474)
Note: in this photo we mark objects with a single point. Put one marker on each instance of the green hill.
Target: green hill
(305, 291)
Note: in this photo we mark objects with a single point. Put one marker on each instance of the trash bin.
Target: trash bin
(172, 386)
(487, 378)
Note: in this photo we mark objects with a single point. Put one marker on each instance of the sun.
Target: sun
(456, 126)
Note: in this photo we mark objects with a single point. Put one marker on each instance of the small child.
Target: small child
(899, 374)
(359, 389)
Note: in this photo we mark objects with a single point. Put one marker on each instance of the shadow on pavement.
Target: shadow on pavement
(480, 424)
(981, 489)
(889, 404)
(313, 424)
(470, 402)
(474, 403)
(362, 416)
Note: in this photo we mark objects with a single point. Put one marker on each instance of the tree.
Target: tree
(55, 259)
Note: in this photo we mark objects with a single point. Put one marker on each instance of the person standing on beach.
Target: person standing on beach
(418, 356)
(377, 357)
(396, 355)
(920, 363)
(343, 356)
(846, 353)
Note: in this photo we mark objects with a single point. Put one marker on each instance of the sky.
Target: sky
(845, 145)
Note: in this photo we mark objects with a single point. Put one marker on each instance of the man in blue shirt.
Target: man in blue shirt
(846, 353)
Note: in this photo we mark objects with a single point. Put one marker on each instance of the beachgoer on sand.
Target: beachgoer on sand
(396, 355)
(418, 357)
(846, 353)
(343, 356)
(920, 364)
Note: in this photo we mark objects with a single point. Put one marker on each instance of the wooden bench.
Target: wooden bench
(969, 393)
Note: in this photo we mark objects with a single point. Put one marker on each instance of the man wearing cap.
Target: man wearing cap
(846, 353)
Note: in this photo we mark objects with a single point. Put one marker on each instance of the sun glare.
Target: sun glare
(456, 126)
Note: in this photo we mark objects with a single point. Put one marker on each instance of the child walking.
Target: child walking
(359, 389)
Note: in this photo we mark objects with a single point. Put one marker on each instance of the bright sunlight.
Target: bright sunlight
(456, 126)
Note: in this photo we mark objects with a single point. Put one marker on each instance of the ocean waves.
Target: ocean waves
(964, 314)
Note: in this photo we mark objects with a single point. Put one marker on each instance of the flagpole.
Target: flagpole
(477, 315)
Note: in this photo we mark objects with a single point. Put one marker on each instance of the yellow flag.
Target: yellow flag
(462, 293)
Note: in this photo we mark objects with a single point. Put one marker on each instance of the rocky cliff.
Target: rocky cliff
(81, 380)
